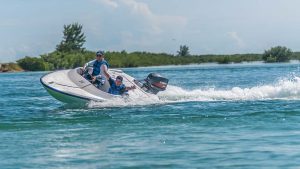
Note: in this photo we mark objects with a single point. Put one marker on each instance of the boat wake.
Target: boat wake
(284, 89)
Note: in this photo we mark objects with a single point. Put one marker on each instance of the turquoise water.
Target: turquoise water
(211, 116)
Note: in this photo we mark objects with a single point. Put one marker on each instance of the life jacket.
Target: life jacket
(97, 67)
(116, 90)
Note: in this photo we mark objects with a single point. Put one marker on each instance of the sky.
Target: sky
(34, 27)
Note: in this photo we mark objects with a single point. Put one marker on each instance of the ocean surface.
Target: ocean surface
(211, 116)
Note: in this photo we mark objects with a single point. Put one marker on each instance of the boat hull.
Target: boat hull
(68, 86)
(65, 97)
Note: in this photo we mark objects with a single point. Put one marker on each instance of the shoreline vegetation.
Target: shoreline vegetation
(59, 61)
(10, 67)
(69, 54)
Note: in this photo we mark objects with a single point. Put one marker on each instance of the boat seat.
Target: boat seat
(80, 70)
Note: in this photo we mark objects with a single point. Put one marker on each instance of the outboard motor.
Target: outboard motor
(155, 83)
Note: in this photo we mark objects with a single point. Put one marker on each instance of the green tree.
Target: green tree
(224, 60)
(183, 51)
(33, 64)
(73, 38)
(277, 54)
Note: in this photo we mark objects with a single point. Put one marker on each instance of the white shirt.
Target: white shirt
(103, 68)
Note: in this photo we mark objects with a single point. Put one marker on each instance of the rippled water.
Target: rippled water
(211, 116)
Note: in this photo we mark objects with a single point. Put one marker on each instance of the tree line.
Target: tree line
(70, 53)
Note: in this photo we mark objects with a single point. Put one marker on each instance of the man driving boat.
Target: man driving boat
(96, 70)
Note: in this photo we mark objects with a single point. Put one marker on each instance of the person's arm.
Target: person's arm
(130, 88)
(111, 81)
(125, 89)
(105, 72)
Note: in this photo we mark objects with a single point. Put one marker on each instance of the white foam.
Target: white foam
(285, 89)
(121, 102)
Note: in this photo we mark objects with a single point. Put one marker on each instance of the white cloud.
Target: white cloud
(156, 22)
(139, 8)
(110, 3)
(119, 24)
(133, 25)
(239, 41)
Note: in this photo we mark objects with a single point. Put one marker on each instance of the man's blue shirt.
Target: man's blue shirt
(97, 66)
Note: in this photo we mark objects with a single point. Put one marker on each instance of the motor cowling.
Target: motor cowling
(155, 83)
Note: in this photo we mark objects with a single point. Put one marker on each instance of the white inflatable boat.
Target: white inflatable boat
(69, 86)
